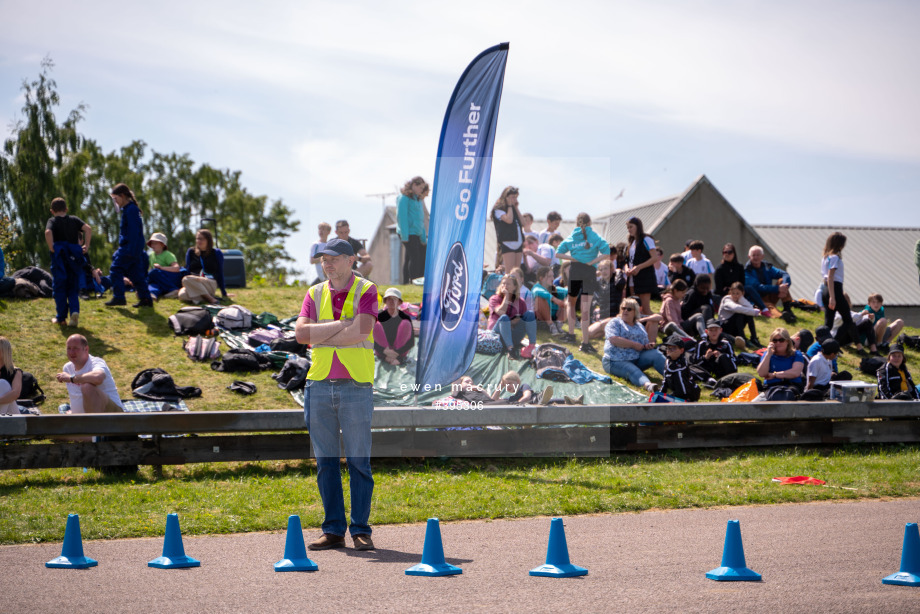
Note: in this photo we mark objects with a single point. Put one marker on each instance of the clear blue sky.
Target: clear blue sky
(799, 112)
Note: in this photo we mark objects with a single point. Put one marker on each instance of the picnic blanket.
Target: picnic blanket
(395, 386)
(134, 406)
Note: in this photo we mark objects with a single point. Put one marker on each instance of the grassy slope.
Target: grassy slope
(131, 340)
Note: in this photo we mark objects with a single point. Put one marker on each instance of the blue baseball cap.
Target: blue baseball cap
(337, 247)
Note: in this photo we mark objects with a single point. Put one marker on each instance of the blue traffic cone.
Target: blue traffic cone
(72, 550)
(557, 555)
(910, 559)
(433, 563)
(295, 553)
(733, 567)
(173, 551)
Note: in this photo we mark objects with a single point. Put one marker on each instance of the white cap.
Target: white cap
(392, 292)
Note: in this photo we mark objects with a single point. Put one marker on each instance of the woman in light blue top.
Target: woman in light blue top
(410, 224)
(627, 350)
(585, 248)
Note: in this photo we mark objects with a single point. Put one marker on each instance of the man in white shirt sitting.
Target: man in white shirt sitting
(89, 381)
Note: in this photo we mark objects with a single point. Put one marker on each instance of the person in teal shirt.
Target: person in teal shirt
(549, 302)
(410, 224)
(585, 248)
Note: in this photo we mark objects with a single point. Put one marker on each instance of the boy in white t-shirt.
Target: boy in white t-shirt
(696, 261)
(820, 370)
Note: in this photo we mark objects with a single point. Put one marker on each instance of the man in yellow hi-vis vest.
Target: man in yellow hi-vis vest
(337, 319)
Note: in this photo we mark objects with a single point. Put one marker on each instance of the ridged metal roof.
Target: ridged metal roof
(876, 259)
(652, 214)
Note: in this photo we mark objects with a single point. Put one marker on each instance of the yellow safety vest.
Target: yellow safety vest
(357, 358)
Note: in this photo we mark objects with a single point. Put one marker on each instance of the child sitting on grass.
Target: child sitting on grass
(894, 380)
(884, 332)
(679, 379)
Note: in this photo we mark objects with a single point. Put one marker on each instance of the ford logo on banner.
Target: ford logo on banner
(453, 291)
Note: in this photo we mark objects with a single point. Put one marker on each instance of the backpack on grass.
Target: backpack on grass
(191, 321)
(241, 359)
(200, 348)
(31, 393)
(234, 317)
(548, 360)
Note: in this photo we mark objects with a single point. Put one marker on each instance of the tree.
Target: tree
(31, 165)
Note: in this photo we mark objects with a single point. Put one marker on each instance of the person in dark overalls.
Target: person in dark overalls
(130, 259)
(62, 233)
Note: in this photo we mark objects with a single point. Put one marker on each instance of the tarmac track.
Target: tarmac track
(818, 557)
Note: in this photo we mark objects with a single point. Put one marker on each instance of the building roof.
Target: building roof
(876, 259)
(653, 214)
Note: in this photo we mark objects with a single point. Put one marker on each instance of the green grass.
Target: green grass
(240, 497)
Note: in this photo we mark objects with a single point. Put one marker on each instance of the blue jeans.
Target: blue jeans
(512, 335)
(633, 370)
(331, 406)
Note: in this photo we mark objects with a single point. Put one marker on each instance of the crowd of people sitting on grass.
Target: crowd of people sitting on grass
(563, 285)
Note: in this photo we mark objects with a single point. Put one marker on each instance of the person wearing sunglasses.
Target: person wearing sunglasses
(781, 367)
(729, 270)
(627, 349)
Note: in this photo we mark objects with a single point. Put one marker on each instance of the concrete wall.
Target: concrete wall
(910, 315)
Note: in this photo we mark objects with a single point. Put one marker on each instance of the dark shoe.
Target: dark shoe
(788, 317)
(754, 344)
(587, 348)
(567, 338)
(514, 353)
(363, 542)
(116, 302)
(143, 303)
(327, 541)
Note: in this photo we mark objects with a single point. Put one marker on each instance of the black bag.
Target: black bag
(191, 321)
(910, 341)
(37, 276)
(548, 359)
(158, 385)
(781, 393)
(244, 388)
(293, 374)
(31, 393)
(871, 364)
(241, 359)
(289, 345)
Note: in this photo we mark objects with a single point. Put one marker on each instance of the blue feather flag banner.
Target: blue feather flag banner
(457, 226)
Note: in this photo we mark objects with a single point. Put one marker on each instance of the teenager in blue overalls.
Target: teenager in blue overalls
(130, 259)
(62, 234)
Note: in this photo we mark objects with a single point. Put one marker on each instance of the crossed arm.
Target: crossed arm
(339, 333)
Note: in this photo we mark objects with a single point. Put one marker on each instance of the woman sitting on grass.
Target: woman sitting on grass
(205, 265)
(627, 350)
(781, 367)
(509, 317)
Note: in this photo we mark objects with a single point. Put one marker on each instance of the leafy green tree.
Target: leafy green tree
(31, 166)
